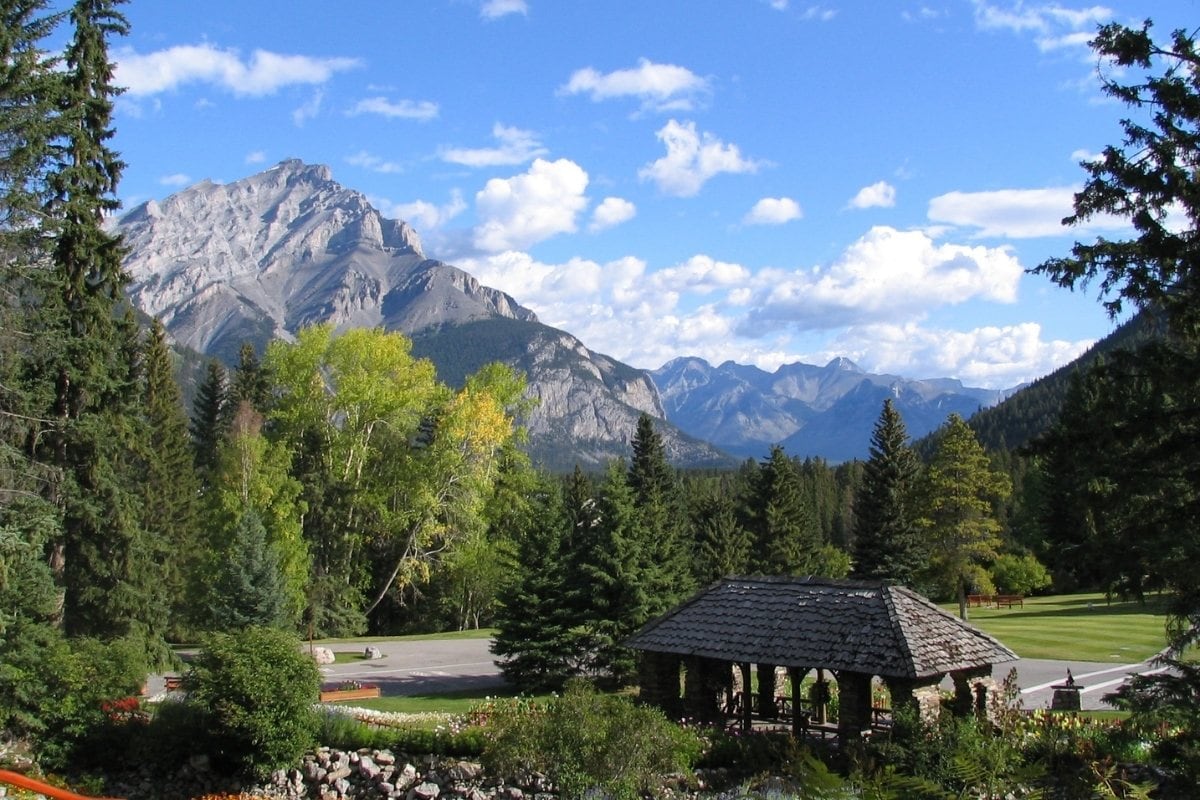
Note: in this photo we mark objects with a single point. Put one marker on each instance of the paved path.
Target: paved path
(432, 666)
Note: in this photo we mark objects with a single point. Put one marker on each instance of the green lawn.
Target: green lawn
(1077, 627)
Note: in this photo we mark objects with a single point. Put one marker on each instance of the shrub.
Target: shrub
(255, 690)
(585, 740)
(1019, 574)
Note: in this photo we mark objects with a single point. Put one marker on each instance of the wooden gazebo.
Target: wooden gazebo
(856, 630)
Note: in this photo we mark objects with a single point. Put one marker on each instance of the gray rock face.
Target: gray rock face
(260, 258)
(264, 256)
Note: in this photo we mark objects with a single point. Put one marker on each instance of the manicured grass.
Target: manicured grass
(1077, 627)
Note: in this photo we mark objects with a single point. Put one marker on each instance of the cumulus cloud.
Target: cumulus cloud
(692, 159)
(426, 216)
(374, 163)
(878, 195)
(886, 275)
(494, 9)
(994, 357)
(773, 211)
(515, 146)
(818, 13)
(262, 74)
(520, 211)
(1016, 213)
(421, 111)
(874, 299)
(611, 212)
(658, 86)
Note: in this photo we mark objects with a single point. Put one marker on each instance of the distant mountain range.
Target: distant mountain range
(827, 411)
(259, 258)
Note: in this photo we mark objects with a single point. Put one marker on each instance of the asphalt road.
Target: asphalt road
(438, 666)
(426, 667)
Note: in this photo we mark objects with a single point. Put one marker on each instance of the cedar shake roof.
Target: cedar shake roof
(866, 627)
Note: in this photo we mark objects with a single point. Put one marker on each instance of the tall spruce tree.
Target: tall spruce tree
(535, 643)
(786, 539)
(102, 556)
(248, 589)
(722, 544)
(251, 381)
(168, 486)
(887, 543)
(656, 495)
(210, 419)
(959, 490)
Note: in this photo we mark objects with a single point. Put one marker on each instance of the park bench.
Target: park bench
(979, 600)
(1009, 600)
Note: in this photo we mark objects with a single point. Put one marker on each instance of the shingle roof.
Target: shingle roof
(867, 627)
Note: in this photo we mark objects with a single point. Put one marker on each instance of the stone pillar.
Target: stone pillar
(854, 705)
(799, 716)
(964, 694)
(704, 682)
(747, 722)
(820, 698)
(766, 691)
(658, 677)
(920, 696)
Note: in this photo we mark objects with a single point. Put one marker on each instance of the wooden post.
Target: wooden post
(747, 697)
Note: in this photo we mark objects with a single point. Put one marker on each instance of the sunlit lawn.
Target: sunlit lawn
(1077, 627)
(481, 633)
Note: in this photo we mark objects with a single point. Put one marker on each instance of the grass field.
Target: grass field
(449, 703)
(1078, 627)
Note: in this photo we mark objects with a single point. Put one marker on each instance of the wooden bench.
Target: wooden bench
(979, 600)
(173, 683)
(1009, 600)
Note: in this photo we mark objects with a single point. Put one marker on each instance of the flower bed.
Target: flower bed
(348, 690)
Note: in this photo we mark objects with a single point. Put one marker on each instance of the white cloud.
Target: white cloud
(516, 146)
(520, 211)
(256, 157)
(308, 110)
(494, 9)
(773, 211)
(262, 74)
(177, 179)
(422, 111)
(659, 86)
(1016, 213)
(692, 159)
(995, 357)
(373, 163)
(878, 195)
(425, 216)
(819, 13)
(1053, 26)
(886, 275)
(874, 297)
(611, 212)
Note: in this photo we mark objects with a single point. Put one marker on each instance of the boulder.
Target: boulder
(372, 652)
(322, 655)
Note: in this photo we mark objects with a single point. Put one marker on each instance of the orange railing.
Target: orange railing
(25, 782)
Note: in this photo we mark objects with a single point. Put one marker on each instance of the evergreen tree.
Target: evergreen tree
(210, 418)
(535, 643)
(958, 492)
(656, 495)
(612, 574)
(248, 588)
(168, 485)
(887, 542)
(722, 544)
(786, 539)
(251, 381)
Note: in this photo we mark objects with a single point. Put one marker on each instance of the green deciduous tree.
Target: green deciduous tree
(958, 491)
(887, 542)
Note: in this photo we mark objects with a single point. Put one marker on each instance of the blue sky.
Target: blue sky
(765, 181)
